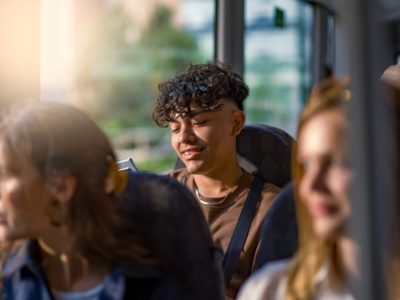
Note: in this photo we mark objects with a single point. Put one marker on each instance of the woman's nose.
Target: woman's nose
(317, 180)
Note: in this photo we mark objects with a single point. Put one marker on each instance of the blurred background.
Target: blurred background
(108, 56)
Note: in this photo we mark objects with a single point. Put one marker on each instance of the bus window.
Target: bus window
(277, 60)
(107, 58)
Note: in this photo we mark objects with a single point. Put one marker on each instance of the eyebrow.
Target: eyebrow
(196, 112)
(210, 109)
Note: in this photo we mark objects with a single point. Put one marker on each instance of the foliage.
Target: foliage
(160, 164)
(118, 73)
(268, 100)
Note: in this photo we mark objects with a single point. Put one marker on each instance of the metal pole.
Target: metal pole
(363, 48)
(229, 35)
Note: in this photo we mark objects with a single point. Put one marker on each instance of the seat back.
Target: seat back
(279, 233)
(127, 165)
(170, 223)
(265, 151)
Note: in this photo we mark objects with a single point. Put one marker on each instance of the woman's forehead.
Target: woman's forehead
(13, 159)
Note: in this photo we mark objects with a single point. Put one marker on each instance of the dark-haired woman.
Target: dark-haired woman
(61, 227)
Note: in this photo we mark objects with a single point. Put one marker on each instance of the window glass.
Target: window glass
(277, 60)
(107, 58)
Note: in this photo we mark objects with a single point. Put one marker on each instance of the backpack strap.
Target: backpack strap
(242, 228)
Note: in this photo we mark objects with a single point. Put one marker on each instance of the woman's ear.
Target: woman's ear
(63, 187)
(238, 119)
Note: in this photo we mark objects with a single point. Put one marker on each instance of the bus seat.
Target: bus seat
(279, 234)
(127, 165)
(265, 151)
(170, 222)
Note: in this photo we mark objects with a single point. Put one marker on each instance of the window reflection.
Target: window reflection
(277, 55)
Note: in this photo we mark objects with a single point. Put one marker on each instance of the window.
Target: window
(107, 58)
(277, 60)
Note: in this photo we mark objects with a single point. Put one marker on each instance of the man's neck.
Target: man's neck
(218, 184)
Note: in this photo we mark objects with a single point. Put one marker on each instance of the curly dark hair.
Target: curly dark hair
(200, 84)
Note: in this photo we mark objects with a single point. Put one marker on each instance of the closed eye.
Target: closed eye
(175, 130)
(199, 123)
(174, 127)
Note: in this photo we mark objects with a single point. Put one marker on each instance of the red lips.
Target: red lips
(323, 209)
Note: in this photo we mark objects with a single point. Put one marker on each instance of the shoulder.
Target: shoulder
(270, 189)
(268, 192)
(267, 189)
(267, 280)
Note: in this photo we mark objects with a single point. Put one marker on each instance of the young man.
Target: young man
(203, 107)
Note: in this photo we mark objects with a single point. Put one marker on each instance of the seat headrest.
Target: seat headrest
(266, 151)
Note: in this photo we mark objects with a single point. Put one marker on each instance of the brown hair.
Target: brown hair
(59, 139)
(313, 252)
(202, 85)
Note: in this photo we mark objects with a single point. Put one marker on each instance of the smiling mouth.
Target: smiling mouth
(192, 153)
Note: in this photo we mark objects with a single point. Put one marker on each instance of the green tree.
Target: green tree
(118, 75)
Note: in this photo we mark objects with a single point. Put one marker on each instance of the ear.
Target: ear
(63, 187)
(238, 119)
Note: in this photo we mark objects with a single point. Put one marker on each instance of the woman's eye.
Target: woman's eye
(340, 163)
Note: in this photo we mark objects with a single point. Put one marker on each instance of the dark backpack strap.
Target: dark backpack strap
(239, 235)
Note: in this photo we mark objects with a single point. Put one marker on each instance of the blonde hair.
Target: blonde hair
(314, 252)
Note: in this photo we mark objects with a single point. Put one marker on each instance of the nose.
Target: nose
(187, 135)
(316, 179)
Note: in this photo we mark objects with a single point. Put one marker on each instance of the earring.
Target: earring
(55, 215)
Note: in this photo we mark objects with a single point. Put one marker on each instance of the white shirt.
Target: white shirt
(269, 284)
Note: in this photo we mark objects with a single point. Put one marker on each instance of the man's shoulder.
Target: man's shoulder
(267, 186)
(270, 188)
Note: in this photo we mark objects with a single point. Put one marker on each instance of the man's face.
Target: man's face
(205, 140)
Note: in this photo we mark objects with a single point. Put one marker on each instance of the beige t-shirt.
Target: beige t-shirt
(222, 220)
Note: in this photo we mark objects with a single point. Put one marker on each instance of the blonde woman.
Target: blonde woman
(325, 259)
